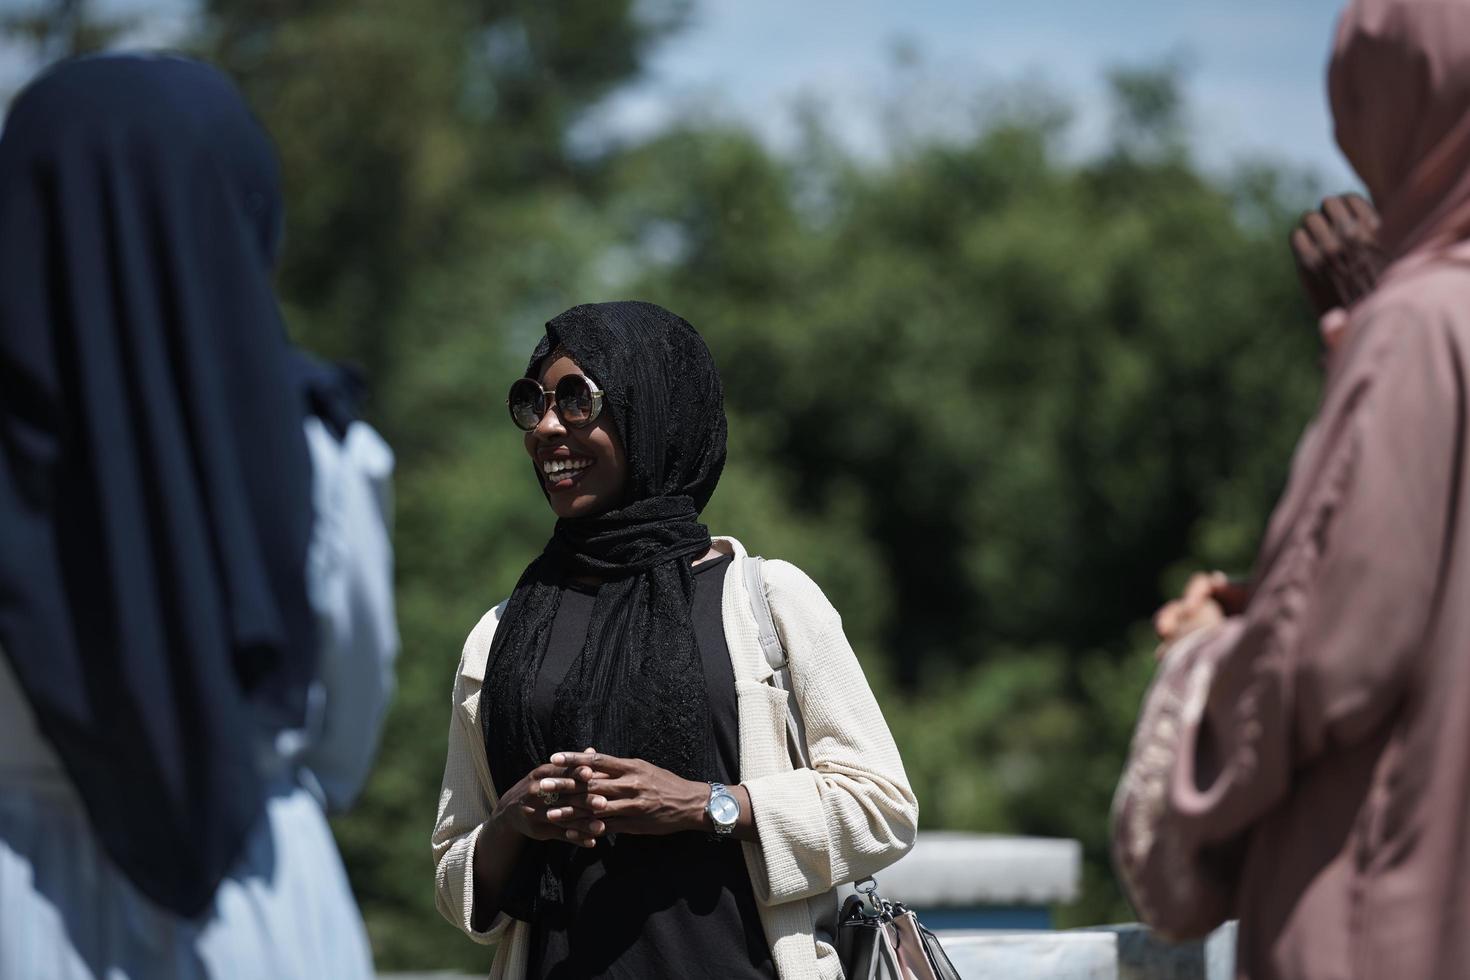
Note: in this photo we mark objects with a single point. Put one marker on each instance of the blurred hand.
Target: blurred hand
(632, 796)
(569, 816)
(1196, 609)
(1336, 252)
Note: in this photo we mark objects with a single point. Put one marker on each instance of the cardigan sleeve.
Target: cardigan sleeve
(466, 796)
(853, 813)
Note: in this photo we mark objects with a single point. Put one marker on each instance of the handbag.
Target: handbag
(876, 939)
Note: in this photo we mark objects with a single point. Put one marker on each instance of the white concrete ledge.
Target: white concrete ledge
(1023, 955)
(946, 869)
(1144, 956)
(1123, 952)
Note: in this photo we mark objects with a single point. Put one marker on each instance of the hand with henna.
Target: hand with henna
(1337, 258)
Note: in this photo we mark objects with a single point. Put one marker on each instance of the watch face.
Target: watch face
(724, 810)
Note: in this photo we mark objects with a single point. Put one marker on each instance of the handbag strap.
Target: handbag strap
(775, 653)
(780, 664)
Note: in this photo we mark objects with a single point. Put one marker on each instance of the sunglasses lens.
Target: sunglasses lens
(574, 401)
(527, 404)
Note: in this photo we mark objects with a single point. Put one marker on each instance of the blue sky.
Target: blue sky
(1254, 68)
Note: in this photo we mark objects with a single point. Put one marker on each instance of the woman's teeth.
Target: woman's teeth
(564, 467)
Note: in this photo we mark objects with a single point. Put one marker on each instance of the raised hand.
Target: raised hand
(1336, 251)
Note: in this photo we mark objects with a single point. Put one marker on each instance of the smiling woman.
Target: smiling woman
(577, 450)
(614, 726)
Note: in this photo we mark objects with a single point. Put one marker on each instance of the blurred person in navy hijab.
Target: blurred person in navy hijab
(195, 577)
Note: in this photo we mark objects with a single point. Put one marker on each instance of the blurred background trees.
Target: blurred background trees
(996, 399)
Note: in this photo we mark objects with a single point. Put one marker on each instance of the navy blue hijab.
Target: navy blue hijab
(155, 487)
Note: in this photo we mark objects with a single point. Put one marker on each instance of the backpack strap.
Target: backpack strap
(775, 653)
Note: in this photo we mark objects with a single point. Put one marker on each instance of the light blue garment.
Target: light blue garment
(286, 912)
(350, 579)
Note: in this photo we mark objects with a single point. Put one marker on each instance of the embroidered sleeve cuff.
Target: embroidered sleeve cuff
(1156, 841)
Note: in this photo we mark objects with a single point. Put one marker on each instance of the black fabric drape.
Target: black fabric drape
(155, 487)
(637, 689)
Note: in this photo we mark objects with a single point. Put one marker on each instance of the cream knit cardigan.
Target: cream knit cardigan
(849, 816)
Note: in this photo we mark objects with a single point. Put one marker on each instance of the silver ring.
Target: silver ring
(549, 798)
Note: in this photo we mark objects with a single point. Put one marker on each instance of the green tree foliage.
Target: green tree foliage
(60, 29)
(435, 219)
(996, 399)
(425, 120)
(1025, 394)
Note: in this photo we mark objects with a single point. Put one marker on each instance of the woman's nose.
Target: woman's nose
(549, 427)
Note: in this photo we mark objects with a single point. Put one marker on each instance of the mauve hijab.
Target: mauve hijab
(1399, 84)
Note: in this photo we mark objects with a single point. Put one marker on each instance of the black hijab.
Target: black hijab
(155, 487)
(637, 689)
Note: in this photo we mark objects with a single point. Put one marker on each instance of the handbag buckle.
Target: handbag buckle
(875, 907)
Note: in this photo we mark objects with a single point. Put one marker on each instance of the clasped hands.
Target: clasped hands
(580, 797)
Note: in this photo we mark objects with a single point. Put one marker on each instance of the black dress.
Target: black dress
(673, 906)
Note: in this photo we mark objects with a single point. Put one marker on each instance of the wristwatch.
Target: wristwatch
(723, 809)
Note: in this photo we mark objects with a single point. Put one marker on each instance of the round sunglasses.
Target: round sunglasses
(577, 402)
